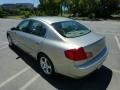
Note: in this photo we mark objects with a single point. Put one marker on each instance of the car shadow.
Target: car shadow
(98, 80)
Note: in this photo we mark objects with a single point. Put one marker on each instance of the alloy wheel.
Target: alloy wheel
(46, 65)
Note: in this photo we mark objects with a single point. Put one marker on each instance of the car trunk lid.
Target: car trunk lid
(91, 42)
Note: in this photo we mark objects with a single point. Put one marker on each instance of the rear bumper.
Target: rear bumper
(90, 66)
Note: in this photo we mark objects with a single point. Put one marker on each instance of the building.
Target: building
(9, 6)
(17, 5)
(25, 5)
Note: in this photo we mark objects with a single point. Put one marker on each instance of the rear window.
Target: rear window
(70, 29)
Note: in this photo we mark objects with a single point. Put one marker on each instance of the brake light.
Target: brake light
(77, 54)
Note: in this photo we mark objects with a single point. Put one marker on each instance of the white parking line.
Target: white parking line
(118, 42)
(14, 76)
(29, 82)
(4, 47)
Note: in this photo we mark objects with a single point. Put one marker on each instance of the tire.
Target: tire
(46, 65)
(10, 41)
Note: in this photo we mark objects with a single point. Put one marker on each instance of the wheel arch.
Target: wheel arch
(42, 53)
(8, 34)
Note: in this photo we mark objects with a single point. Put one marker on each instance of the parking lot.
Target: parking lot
(19, 71)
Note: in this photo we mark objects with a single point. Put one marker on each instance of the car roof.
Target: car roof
(51, 19)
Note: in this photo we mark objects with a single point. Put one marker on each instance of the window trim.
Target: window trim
(31, 21)
(71, 36)
(20, 24)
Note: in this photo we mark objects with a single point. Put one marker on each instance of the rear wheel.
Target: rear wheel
(46, 65)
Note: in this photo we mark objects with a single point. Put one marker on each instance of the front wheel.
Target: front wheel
(46, 65)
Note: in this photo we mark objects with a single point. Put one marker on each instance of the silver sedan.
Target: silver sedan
(60, 45)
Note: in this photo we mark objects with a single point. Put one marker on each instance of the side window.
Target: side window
(23, 26)
(38, 28)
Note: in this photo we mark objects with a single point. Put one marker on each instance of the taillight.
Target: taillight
(77, 54)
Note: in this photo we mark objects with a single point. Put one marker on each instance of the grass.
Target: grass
(113, 17)
(15, 17)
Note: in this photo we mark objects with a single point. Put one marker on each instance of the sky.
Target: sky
(35, 2)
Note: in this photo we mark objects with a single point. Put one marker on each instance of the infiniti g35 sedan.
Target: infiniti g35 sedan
(60, 45)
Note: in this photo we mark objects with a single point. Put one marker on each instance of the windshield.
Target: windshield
(70, 29)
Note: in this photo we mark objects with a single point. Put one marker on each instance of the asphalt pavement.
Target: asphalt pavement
(19, 71)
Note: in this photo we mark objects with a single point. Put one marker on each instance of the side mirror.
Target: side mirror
(13, 28)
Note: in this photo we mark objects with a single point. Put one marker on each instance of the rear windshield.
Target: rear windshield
(70, 29)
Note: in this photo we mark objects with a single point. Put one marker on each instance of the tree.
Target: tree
(49, 7)
(2, 13)
(98, 8)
